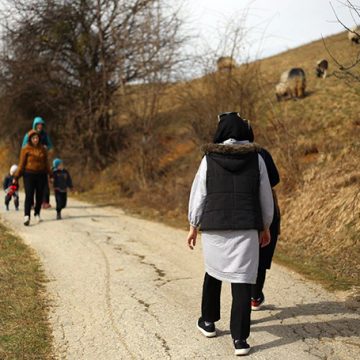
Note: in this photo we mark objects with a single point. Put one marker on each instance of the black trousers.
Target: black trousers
(240, 309)
(9, 197)
(257, 289)
(265, 258)
(61, 200)
(46, 196)
(34, 184)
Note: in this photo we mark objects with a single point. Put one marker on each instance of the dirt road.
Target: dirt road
(126, 288)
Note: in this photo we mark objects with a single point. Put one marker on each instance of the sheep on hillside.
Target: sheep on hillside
(354, 35)
(321, 68)
(226, 63)
(292, 84)
(282, 91)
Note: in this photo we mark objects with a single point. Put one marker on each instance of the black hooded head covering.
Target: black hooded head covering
(232, 126)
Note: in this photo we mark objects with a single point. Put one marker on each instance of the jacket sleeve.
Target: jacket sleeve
(266, 197)
(271, 168)
(198, 195)
(5, 183)
(22, 163)
(48, 168)
(25, 141)
(49, 143)
(69, 181)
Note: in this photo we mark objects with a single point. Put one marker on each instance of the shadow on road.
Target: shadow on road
(312, 329)
(320, 308)
(89, 206)
(92, 217)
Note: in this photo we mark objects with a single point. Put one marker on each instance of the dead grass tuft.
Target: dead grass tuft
(24, 329)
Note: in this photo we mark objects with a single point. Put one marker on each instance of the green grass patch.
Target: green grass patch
(24, 329)
(315, 268)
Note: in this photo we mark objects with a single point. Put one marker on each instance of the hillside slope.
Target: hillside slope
(321, 216)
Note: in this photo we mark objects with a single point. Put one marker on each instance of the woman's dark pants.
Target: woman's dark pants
(240, 309)
(46, 195)
(265, 258)
(34, 183)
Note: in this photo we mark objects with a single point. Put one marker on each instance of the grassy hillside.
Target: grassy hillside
(321, 222)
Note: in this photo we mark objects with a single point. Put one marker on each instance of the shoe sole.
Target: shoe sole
(242, 352)
(206, 333)
(27, 223)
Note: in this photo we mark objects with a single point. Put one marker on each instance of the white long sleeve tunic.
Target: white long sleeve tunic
(230, 255)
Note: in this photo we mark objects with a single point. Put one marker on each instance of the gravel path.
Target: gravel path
(127, 288)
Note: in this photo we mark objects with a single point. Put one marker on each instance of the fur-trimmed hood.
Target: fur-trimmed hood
(230, 149)
(231, 157)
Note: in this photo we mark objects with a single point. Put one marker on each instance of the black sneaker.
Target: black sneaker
(207, 330)
(241, 347)
(58, 216)
(7, 207)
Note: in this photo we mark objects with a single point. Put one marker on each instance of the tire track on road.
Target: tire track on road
(108, 299)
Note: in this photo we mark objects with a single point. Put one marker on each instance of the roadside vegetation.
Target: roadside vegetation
(24, 329)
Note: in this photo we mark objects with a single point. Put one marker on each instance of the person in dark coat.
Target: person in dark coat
(62, 182)
(231, 201)
(266, 253)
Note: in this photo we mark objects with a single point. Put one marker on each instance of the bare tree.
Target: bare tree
(348, 70)
(235, 89)
(69, 60)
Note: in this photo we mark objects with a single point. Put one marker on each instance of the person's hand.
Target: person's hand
(264, 238)
(191, 238)
(14, 181)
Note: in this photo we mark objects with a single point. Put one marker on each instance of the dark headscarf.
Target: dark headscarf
(232, 126)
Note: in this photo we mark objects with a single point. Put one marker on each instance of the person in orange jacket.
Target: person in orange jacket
(34, 167)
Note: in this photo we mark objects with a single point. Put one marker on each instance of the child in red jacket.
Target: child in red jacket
(11, 190)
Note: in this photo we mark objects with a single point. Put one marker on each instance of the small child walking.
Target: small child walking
(11, 190)
(62, 181)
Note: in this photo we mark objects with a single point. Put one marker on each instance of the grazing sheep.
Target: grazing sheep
(354, 35)
(321, 68)
(282, 91)
(292, 84)
(225, 63)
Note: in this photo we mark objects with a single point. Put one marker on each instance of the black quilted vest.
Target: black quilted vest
(233, 181)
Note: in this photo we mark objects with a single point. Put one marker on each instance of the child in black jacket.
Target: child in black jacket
(62, 181)
(11, 190)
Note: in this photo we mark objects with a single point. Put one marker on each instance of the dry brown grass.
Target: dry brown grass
(24, 329)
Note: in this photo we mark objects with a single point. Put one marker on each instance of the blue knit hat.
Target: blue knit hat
(56, 163)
